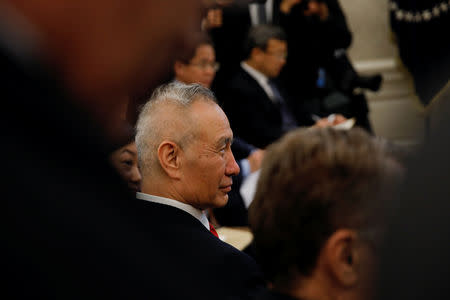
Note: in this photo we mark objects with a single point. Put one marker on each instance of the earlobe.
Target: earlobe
(341, 256)
(168, 155)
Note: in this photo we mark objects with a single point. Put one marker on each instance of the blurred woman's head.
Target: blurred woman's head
(125, 160)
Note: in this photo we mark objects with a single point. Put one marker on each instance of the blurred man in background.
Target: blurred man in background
(260, 111)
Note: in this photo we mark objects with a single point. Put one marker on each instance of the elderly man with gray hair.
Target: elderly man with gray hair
(183, 139)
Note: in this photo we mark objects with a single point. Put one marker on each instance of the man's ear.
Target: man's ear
(169, 158)
(341, 257)
(256, 53)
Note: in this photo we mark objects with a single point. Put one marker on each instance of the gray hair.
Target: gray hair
(152, 127)
(259, 36)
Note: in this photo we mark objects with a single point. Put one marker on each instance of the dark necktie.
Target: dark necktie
(213, 231)
(288, 119)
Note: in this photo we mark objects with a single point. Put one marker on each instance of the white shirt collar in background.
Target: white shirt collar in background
(196, 213)
(262, 79)
(253, 8)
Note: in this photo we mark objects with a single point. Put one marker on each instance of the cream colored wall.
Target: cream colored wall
(395, 111)
(368, 19)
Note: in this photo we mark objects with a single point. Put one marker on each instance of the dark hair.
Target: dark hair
(312, 183)
(258, 37)
(198, 39)
(125, 136)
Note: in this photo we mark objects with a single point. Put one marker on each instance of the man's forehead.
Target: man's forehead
(276, 43)
(210, 119)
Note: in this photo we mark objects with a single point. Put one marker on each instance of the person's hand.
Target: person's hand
(255, 160)
(338, 119)
(286, 5)
(322, 123)
(331, 120)
(213, 19)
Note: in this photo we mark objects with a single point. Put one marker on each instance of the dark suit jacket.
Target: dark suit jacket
(69, 227)
(311, 45)
(197, 263)
(253, 115)
(241, 149)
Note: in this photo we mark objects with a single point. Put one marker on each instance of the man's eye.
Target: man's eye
(128, 162)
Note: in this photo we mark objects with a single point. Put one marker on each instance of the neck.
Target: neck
(315, 287)
(252, 64)
(157, 186)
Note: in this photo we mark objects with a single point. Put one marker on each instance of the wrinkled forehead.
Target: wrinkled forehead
(209, 120)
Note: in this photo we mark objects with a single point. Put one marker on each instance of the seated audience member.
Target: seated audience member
(184, 144)
(228, 22)
(318, 213)
(125, 160)
(318, 70)
(259, 111)
(200, 67)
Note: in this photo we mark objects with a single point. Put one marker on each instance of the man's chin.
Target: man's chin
(221, 202)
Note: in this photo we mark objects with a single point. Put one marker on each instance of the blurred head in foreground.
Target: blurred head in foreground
(318, 212)
(100, 49)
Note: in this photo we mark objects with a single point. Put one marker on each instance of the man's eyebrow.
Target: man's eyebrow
(129, 151)
(224, 141)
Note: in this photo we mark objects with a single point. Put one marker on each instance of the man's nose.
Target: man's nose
(232, 167)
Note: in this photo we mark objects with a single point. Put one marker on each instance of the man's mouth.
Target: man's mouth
(226, 188)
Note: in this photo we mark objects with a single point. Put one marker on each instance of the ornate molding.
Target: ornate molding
(426, 15)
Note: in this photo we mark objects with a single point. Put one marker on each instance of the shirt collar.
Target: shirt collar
(260, 78)
(257, 75)
(196, 213)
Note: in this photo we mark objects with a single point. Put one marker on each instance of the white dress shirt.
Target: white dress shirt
(253, 8)
(196, 213)
(262, 79)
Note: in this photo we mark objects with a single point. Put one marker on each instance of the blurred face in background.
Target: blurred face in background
(200, 69)
(126, 162)
(274, 58)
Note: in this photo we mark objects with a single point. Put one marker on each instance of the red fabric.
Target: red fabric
(213, 230)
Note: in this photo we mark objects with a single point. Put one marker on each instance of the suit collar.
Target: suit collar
(260, 78)
(196, 213)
